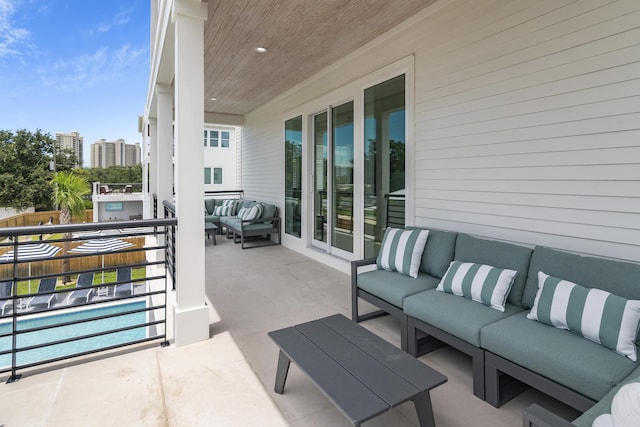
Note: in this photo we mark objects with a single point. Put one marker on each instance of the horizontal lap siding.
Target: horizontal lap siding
(263, 160)
(527, 124)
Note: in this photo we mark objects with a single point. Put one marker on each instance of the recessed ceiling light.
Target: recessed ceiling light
(261, 49)
(213, 99)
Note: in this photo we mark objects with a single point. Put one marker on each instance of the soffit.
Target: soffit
(302, 38)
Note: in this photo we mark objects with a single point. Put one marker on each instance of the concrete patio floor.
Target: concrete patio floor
(228, 379)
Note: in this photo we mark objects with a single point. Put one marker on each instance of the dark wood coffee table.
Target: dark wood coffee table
(359, 372)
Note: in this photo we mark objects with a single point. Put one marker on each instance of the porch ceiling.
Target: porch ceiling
(302, 38)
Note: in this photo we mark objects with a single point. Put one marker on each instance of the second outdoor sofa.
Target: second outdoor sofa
(243, 219)
(504, 345)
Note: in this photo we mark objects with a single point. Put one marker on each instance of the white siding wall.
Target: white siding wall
(527, 121)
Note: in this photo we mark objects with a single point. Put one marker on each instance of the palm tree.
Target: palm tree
(69, 190)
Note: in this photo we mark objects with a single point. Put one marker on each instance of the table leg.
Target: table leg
(281, 373)
(424, 410)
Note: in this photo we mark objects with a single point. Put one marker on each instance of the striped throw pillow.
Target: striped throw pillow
(482, 283)
(249, 214)
(224, 210)
(401, 250)
(602, 317)
(232, 205)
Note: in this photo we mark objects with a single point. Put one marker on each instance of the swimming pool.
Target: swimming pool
(72, 331)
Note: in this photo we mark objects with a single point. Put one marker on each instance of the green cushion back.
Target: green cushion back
(269, 210)
(618, 277)
(496, 254)
(209, 204)
(438, 252)
(245, 204)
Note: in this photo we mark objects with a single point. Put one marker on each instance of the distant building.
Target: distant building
(71, 141)
(114, 153)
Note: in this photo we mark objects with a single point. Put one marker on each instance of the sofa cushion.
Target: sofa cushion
(228, 210)
(603, 406)
(231, 205)
(557, 354)
(209, 205)
(393, 287)
(618, 277)
(401, 250)
(438, 252)
(497, 254)
(595, 314)
(252, 213)
(269, 210)
(245, 203)
(444, 310)
(481, 283)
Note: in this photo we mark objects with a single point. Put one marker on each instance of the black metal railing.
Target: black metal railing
(170, 241)
(233, 194)
(395, 215)
(124, 301)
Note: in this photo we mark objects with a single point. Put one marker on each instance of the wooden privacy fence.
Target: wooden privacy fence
(53, 265)
(34, 218)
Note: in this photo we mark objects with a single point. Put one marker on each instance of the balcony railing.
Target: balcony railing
(124, 301)
(117, 188)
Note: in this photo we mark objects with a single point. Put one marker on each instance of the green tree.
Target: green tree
(68, 195)
(24, 169)
(66, 159)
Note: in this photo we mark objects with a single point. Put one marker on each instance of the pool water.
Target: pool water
(71, 331)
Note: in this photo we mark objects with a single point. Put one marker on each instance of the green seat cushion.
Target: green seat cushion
(617, 277)
(230, 221)
(393, 287)
(558, 354)
(603, 406)
(212, 218)
(496, 254)
(444, 310)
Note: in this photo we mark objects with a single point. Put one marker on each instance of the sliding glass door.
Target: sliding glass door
(384, 161)
(333, 179)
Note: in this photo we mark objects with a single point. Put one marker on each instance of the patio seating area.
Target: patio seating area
(228, 379)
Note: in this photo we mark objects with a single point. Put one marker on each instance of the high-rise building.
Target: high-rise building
(114, 153)
(71, 141)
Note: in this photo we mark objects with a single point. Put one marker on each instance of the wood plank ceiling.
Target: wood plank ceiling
(302, 38)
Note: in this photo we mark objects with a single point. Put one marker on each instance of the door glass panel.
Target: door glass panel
(293, 176)
(384, 161)
(342, 136)
(320, 156)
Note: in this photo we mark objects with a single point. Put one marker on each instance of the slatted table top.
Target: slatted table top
(359, 372)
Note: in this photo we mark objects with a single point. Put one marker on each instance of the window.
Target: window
(213, 138)
(293, 176)
(217, 138)
(224, 139)
(217, 175)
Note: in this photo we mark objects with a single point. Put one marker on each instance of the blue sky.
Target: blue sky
(69, 65)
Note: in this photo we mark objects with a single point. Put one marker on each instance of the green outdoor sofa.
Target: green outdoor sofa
(248, 222)
(508, 350)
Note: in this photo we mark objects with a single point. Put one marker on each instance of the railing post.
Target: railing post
(14, 315)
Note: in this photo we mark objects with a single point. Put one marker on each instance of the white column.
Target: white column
(164, 154)
(151, 135)
(191, 315)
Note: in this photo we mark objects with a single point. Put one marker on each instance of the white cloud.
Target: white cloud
(122, 18)
(87, 71)
(13, 39)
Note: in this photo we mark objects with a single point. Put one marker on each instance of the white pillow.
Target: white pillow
(401, 250)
